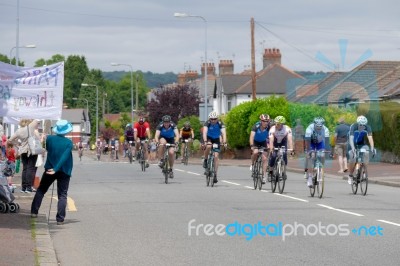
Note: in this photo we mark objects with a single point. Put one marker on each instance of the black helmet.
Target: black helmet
(166, 118)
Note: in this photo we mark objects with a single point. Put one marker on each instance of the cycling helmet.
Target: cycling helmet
(264, 117)
(362, 120)
(166, 118)
(213, 115)
(187, 124)
(141, 120)
(319, 121)
(280, 120)
(128, 125)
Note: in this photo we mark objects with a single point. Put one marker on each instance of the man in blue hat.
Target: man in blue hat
(58, 167)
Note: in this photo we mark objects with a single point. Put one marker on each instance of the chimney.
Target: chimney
(181, 79)
(188, 76)
(210, 69)
(271, 56)
(225, 67)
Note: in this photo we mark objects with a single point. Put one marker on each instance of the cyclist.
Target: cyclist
(130, 136)
(213, 132)
(80, 148)
(186, 132)
(357, 134)
(259, 138)
(279, 135)
(167, 132)
(316, 138)
(142, 132)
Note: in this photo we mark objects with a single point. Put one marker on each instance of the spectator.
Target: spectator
(340, 140)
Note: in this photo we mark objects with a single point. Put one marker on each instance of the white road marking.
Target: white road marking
(249, 187)
(236, 184)
(179, 170)
(384, 221)
(290, 197)
(339, 210)
(192, 173)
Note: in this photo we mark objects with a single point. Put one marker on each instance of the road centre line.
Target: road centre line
(193, 173)
(339, 210)
(180, 170)
(388, 222)
(236, 184)
(249, 187)
(290, 197)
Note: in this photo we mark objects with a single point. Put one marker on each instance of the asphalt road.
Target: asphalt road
(119, 215)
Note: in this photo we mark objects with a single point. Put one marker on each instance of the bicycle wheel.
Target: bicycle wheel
(274, 179)
(254, 174)
(259, 173)
(211, 171)
(130, 156)
(281, 180)
(185, 155)
(354, 185)
(363, 179)
(141, 160)
(166, 169)
(314, 182)
(320, 182)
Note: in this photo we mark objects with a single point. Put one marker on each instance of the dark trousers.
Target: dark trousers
(62, 193)
(28, 170)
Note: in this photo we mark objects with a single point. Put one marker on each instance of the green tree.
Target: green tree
(54, 59)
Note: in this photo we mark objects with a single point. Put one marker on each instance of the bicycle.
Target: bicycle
(112, 153)
(98, 152)
(318, 179)
(186, 152)
(278, 176)
(210, 170)
(80, 153)
(140, 155)
(361, 177)
(129, 151)
(166, 170)
(257, 172)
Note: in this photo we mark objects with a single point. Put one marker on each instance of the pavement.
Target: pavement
(27, 241)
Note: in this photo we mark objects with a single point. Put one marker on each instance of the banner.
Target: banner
(31, 92)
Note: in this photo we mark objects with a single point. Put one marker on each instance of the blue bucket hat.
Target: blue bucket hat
(62, 127)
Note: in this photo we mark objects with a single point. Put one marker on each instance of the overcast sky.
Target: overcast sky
(146, 35)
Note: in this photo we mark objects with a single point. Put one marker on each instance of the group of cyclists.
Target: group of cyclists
(268, 134)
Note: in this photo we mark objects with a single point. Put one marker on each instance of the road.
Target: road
(119, 215)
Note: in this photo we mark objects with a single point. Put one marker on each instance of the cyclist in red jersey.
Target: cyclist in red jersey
(142, 132)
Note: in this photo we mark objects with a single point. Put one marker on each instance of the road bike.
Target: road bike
(361, 176)
(257, 171)
(211, 173)
(140, 155)
(186, 152)
(318, 177)
(166, 169)
(279, 171)
(129, 151)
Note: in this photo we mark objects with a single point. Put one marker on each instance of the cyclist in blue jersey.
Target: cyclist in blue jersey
(213, 132)
(259, 138)
(130, 136)
(167, 132)
(317, 138)
(357, 139)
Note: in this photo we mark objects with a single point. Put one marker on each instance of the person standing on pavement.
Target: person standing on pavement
(340, 140)
(58, 167)
(28, 160)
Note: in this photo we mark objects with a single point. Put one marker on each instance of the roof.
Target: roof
(74, 116)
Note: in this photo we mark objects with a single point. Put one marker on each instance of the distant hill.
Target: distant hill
(153, 80)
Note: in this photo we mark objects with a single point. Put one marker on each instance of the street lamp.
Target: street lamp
(184, 15)
(97, 106)
(137, 95)
(16, 57)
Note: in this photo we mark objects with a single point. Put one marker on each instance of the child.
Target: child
(10, 155)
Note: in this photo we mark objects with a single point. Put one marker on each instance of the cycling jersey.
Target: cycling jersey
(261, 135)
(280, 136)
(129, 134)
(214, 130)
(166, 133)
(141, 129)
(186, 133)
(360, 132)
(317, 136)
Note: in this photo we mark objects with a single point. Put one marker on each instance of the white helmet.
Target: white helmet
(362, 120)
(213, 115)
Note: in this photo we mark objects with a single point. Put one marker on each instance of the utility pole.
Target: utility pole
(253, 62)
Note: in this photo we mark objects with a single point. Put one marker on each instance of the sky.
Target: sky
(311, 35)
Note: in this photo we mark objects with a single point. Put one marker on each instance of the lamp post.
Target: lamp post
(137, 95)
(184, 15)
(16, 57)
(97, 106)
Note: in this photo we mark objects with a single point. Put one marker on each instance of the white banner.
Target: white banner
(31, 92)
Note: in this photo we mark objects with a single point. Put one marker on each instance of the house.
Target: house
(80, 124)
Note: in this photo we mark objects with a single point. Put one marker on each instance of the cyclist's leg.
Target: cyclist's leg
(183, 145)
(161, 149)
(207, 152)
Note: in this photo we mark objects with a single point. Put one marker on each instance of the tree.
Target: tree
(178, 102)
(54, 59)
